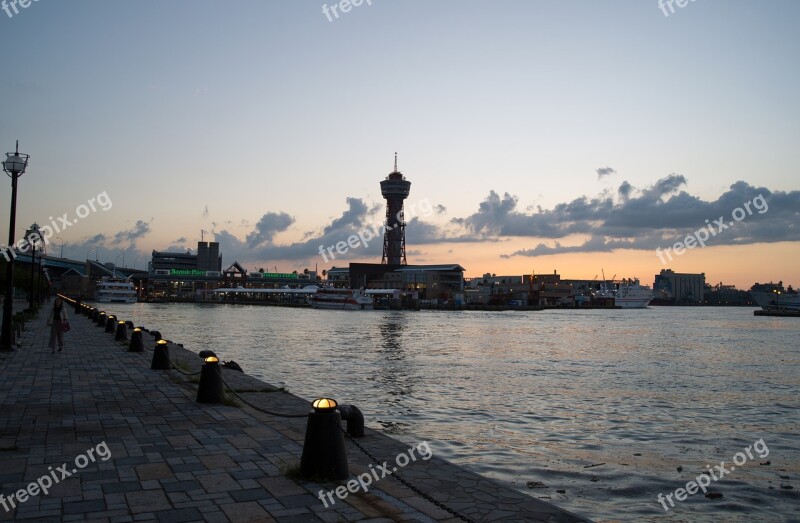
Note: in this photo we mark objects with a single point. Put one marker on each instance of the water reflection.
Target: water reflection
(539, 396)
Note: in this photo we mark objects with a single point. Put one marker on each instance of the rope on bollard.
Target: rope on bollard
(405, 482)
(265, 411)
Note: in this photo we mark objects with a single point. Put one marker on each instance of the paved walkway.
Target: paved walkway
(160, 456)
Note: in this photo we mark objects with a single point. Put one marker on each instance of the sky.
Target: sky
(575, 136)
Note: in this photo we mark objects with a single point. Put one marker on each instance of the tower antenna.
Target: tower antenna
(395, 161)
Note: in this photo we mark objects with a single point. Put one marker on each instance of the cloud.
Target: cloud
(182, 239)
(139, 230)
(657, 216)
(440, 209)
(267, 227)
(605, 171)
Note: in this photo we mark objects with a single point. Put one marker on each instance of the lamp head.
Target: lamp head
(324, 404)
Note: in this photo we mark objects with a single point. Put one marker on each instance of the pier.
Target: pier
(172, 459)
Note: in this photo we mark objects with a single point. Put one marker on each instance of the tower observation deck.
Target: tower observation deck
(395, 188)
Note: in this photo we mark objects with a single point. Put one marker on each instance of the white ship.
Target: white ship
(115, 290)
(771, 296)
(632, 295)
(628, 294)
(341, 299)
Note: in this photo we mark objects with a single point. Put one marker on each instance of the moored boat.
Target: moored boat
(772, 296)
(341, 299)
(632, 295)
(115, 290)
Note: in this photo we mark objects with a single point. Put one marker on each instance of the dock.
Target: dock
(781, 313)
(158, 455)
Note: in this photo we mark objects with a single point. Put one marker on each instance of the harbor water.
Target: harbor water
(598, 411)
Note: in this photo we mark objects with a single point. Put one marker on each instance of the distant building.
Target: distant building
(679, 288)
(429, 282)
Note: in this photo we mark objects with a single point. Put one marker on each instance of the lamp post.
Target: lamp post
(14, 166)
(32, 235)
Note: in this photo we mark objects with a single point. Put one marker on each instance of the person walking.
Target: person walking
(56, 321)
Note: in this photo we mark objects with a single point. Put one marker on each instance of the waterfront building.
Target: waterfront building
(679, 288)
(427, 282)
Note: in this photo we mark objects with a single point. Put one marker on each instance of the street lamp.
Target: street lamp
(14, 166)
(32, 235)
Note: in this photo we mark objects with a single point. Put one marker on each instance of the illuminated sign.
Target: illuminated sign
(186, 272)
(282, 275)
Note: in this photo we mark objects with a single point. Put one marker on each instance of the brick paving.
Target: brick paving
(174, 460)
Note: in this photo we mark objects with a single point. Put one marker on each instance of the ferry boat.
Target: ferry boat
(632, 295)
(115, 290)
(771, 296)
(628, 294)
(341, 299)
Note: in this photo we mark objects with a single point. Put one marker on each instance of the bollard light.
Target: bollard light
(160, 356)
(324, 455)
(111, 324)
(136, 344)
(101, 319)
(211, 389)
(93, 314)
(122, 331)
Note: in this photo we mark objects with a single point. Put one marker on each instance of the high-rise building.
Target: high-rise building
(395, 188)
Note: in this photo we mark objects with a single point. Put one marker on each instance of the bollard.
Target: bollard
(122, 331)
(130, 325)
(136, 344)
(156, 335)
(206, 353)
(211, 389)
(101, 319)
(95, 312)
(324, 455)
(160, 356)
(111, 324)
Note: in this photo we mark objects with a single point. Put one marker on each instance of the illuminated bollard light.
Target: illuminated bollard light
(122, 331)
(136, 345)
(111, 324)
(324, 455)
(101, 319)
(94, 313)
(160, 356)
(211, 389)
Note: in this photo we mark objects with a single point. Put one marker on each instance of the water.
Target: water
(542, 396)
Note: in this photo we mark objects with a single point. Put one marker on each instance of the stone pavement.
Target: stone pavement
(157, 455)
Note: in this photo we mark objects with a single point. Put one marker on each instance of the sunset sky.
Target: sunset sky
(576, 136)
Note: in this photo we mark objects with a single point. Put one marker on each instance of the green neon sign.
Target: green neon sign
(186, 272)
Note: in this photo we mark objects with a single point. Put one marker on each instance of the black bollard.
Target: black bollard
(160, 356)
(101, 319)
(93, 314)
(324, 455)
(111, 324)
(156, 335)
(136, 344)
(122, 331)
(211, 389)
(130, 325)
